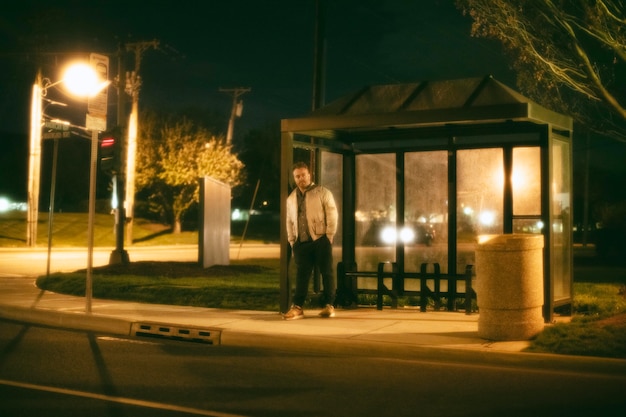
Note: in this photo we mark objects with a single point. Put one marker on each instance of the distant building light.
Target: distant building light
(8, 205)
(238, 215)
(5, 204)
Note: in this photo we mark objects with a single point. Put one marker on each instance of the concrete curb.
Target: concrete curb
(69, 320)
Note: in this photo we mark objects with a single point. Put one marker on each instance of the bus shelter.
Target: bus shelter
(420, 171)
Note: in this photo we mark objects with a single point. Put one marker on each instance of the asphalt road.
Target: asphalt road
(53, 372)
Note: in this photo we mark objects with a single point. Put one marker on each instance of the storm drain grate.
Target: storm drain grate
(186, 333)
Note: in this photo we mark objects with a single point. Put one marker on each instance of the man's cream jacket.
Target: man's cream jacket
(321, 213)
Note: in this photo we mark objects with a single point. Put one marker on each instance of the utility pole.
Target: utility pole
(133, 85)
(236, 109)
(319, 58)
(319, 66)
(34, 162)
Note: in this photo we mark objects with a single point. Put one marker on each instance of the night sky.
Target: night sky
(267, 46)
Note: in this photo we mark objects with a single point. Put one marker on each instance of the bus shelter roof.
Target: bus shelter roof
(425, 104)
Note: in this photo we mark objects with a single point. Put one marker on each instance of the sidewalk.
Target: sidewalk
(21, 300)
(401, 333)
(404, 334)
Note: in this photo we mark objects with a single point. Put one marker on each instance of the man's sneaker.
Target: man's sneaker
(328, 311)
(294, 313)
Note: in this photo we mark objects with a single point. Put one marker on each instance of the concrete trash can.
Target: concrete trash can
(509, 286)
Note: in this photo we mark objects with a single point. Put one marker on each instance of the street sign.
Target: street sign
(49, 124)
(55, 135)
(96, 123)
(97, 105)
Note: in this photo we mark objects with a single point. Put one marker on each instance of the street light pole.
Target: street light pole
(95, 121)
(55, 156)
(90, 223)
(81, 80)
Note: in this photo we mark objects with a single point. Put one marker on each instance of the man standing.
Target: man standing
(311, 227)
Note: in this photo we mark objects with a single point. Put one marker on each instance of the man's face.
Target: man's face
(302, 176)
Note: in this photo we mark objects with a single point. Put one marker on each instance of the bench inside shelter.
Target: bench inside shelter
(393, 283)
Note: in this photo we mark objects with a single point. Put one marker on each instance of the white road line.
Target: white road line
(124, 340)
(119, 400)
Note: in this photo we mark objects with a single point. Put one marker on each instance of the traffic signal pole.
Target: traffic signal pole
(119, 254)
(111, 165)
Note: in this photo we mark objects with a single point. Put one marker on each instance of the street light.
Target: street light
(81, 80)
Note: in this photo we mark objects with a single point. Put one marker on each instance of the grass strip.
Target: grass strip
(252, 285)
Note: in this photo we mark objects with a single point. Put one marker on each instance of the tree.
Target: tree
(570, 55)
(172, 156)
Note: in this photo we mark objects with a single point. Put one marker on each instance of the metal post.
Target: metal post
(286, 161)
(90, 222)
(51, 205)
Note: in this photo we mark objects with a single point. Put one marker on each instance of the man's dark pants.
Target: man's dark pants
(307, 255)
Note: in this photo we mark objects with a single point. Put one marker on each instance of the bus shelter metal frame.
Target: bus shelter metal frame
(429, 115)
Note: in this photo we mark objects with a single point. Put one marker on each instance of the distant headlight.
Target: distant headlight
(389, 235)
(407, 235)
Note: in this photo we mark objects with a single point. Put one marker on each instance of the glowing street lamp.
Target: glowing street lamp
(80, 80)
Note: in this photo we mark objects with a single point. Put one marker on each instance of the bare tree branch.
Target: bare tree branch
(569, 55)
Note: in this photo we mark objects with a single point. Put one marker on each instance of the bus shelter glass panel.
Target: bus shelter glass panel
(526, 181)
(561, 219)
(332, 178)
(426, 209)
(526, 186)
(480, 189)
(375, 211)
